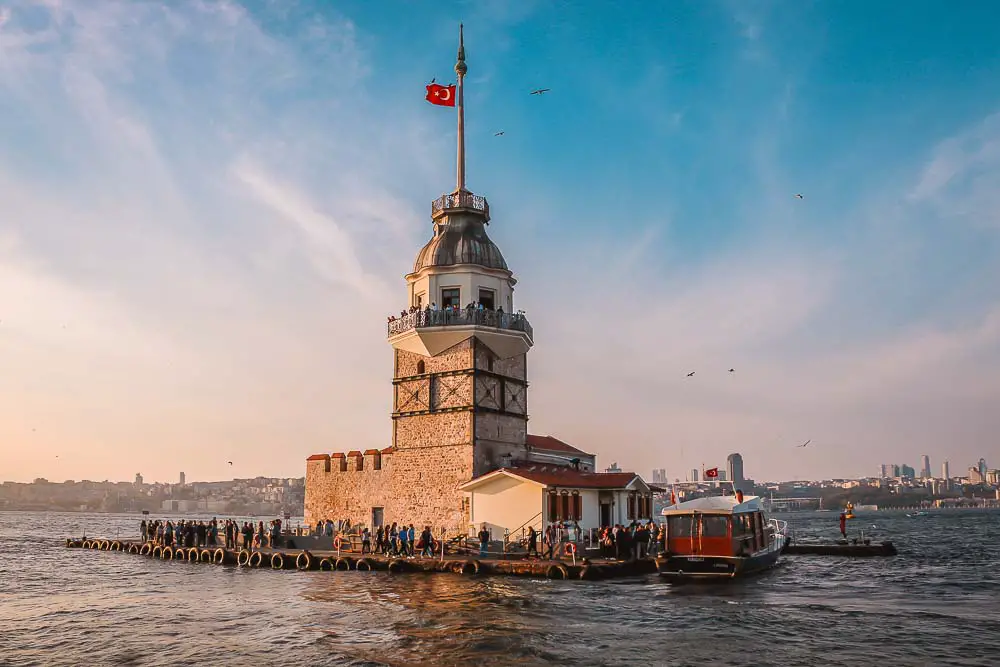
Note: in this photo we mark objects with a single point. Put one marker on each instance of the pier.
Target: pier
(469, 565)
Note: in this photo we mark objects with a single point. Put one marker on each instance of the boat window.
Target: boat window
(679, 526)
(714, 526)
(742, 525)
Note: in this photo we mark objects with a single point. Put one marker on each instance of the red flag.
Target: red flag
(443, 96)
(711, 473)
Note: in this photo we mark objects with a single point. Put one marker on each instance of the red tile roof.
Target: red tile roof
(550, 444)
(354, 452)
(562, 476)
(387, 450)
(318, 457)
(338, 455)
(372, 451)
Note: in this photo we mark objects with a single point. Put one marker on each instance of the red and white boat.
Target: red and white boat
(720, 537)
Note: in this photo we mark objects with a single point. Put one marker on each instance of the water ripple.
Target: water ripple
(932, 605)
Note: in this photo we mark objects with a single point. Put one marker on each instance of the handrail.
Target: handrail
(460, 200)
(529, 522)
(459, 317)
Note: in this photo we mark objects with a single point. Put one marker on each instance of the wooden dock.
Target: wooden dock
(277, 559)
(842, 548)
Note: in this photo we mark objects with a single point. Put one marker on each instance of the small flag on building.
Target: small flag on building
(712, 473)
(443, 96)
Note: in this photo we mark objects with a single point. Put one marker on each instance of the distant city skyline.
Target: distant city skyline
(200, 245)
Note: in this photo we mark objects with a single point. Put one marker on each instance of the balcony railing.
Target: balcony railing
(460, 200)
(457, 318)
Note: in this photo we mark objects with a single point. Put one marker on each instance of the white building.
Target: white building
(514, 498)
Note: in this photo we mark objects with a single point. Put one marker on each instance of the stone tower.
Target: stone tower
(460, 375)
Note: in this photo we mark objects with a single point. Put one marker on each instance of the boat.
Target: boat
(849, 511)
(720, 537)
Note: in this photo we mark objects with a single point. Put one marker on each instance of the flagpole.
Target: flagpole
(460, 70)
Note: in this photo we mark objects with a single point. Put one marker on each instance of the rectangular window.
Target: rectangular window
(553, 507)
(679, 526)
(714, 526)
(486, 298)
(577, 507)
(631, 507)
(564, 514)
(451, 297)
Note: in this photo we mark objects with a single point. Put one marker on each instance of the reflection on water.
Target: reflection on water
(932, 605)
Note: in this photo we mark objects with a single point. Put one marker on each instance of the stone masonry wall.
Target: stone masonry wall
(455, 357)
(347, 495)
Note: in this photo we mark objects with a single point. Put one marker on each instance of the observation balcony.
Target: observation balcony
(429, 332)
(460, 201)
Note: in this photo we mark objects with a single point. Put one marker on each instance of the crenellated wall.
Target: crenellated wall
(347, 486)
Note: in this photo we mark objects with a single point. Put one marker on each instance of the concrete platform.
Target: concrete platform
(842, 549)
(279, 559)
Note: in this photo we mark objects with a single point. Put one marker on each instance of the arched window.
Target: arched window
(421, 369)
(576, 507)
(553, 506)
(564, 506)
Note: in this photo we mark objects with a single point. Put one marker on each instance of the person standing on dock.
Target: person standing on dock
(484, 541)
(532, 542)
(549, 542)
(843, 525)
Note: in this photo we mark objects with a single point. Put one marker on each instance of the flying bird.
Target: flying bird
(691, 374)
(499, 134)
(804, 443)
(799, 196)
(434, 80)
(540, 91)
(230, 463)
(732, 370)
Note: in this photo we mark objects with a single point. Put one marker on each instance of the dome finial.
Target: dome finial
(460, 70)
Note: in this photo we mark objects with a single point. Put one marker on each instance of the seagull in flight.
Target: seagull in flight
(798, 196)
(434, 80)
(732, 370)
(804, 443)
(230, 463)
(499, 134)
(691, 374)
(540, 91)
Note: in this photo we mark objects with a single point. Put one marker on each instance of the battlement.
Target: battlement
(352, 461)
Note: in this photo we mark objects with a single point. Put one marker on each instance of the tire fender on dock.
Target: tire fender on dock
(364, 565)
(243, 559)
(145, 549)
(193, 555)
(278, 561)
(133, 549)
(470, 567)
(157, 552)
(557, 571)
(305, 561)
(180, 554)
(326, 564)
(344, 564)
(219, 556)
(591, 572)
(115, 546)
(205, 556)
(256, 559)
(397, 565)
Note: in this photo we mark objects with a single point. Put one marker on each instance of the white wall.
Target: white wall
(505, 503)
(468, 278)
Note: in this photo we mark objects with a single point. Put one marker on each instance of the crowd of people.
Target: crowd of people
(188, 533)
(618, 542)
(393, 540)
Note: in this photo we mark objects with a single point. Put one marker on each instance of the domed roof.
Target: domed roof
(460, 241)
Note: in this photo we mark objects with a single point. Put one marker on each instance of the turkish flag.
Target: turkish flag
(443, 96)
(711, 473)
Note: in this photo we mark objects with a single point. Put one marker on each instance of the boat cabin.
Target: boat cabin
(717, 526)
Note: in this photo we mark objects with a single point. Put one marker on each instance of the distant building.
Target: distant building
(613, 468)
(885, 471)
(734, 465)
(138, 479)
(945, 474)
(694, 474)
(982, 469)
(925, 466)
(182, 479)
(907, 471)
(975, 477)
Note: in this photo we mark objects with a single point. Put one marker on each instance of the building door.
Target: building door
(605, 514)
(377, 518)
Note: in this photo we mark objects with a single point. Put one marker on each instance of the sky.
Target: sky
(208, 209)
